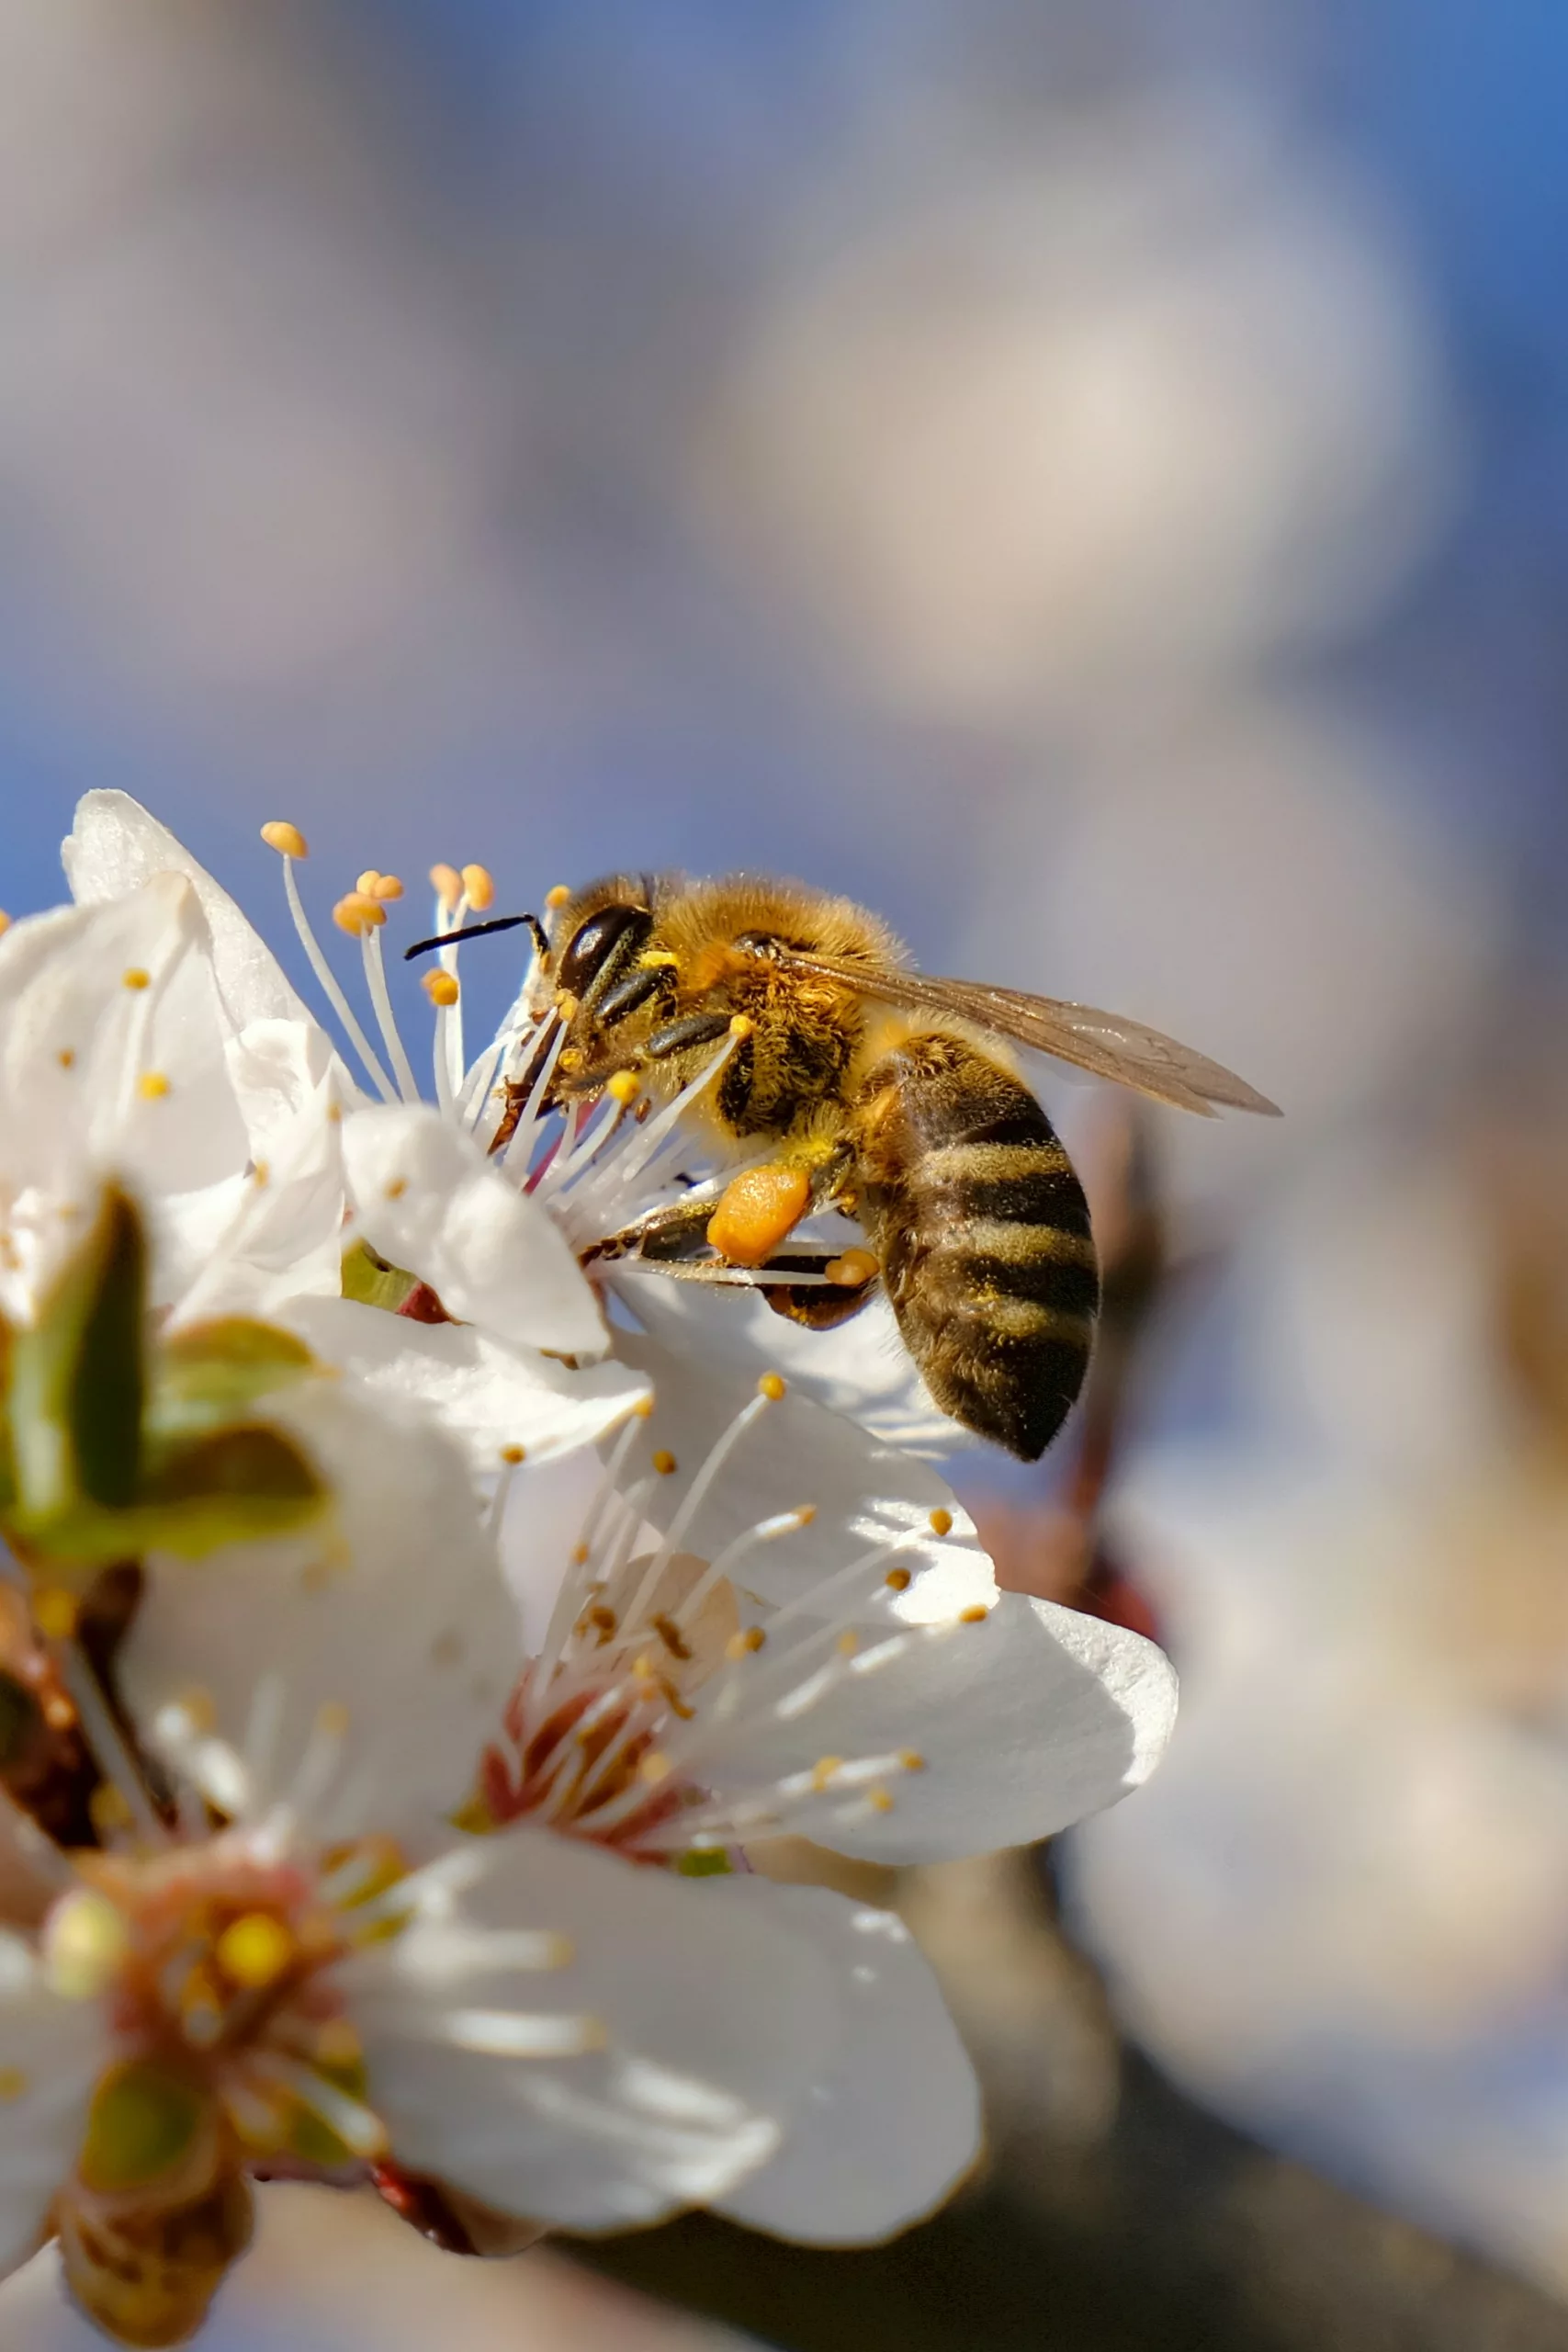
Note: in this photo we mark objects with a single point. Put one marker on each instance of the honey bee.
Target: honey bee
(866, 1087)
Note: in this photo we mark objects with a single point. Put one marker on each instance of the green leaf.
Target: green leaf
(374, 1281)
(78, 1375)
(212, 1375)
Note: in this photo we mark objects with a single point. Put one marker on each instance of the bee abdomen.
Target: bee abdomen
(983, 1233)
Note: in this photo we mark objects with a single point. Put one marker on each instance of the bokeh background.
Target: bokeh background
(1090, 477)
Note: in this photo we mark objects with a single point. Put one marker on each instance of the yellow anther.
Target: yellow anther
(745, 1645)
(13, 2083)
(898, 1579)
(911, 1759)
(879, 1801)
(337, 2044)
(479, 887)
(55, 1612)
(623, 1088)
(556, 896)
(823, 1770)
(66, 1058)
(198, 1708)
(514, 1454)
(261, 1174)
(153, 1085)
(742, 1025)
(136, 978)
(387, 885)
(85, 1937)
(771, 1386)
(804, 1514)
(849, 1641)
(664, 1462)
(656, 1766)
(643, 1408)
(852, 1270)
(4, 920)
(941, 1522)
(335, 1114)
(358, 913)
(368, 880)
(255, 1949)
(447, 885)
(285, 838)
(441, 987)
(331, 1717)
(975, 1614)
(579, 1555)
(396, 1189)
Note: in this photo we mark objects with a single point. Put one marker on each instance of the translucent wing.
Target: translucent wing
(1103, 1043)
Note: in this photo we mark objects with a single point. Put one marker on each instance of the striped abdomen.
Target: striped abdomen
(982, 1231)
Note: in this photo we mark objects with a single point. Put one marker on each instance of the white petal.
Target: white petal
(51, 2052)
(865, 1492)
(713, 2018)
(891, 2120)
(392, 1608)
(427, 1198)
(862, 1368)
(1023, 1723)
(115, 845)
(489, 1396)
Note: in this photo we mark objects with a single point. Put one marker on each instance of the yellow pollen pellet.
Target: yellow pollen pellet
(66, 1058)
(742, 1025)
(479, 887)
(358, 913)
(823, 1770)
(570, 1059)
(332, 1718)
(55, 1612)
(556, 896)
(285, 838)
(441, 987)
(879, 1801)
(771, 1386)
(13, 2083)
(151, 1086)
(975, 1614)
(941, 1522)
(898, 1579)
(911, 1759)
(255, 1949)
(655, 1765)
(108, 1810)
(136, 978)
(622, 1087)
(447, 885)
(368, 880)
(852, 1270)
(745, 1645)
(387, 885)
(849, 1641)
(514, 1454)
(664, 1462)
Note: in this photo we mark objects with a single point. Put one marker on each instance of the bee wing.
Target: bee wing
(1103, 1043)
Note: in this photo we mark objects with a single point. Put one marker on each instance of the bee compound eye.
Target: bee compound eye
(596, 943)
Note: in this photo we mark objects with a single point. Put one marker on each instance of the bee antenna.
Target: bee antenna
(479, 931)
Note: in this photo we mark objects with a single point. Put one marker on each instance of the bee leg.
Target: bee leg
(677, 1229)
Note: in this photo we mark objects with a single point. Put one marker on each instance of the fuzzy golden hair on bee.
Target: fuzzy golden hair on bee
(844, 1078)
